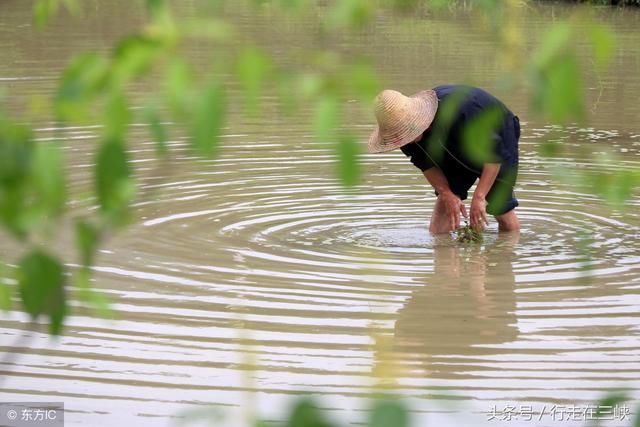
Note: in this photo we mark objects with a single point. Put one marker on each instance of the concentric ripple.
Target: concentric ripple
(275, 279)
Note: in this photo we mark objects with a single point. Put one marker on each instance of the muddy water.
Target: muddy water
(254, 277)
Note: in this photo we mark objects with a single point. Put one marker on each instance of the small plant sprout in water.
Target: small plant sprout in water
(466, 233)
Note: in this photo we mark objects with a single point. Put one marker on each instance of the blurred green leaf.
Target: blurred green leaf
(97, 300)
(311, 85)
(41, 283)
(602, 42)
(294, 5)
(43, 10)
(550, 148)
(49, 182)
(389, 413)
(553, 44)
(208, 120)
(500, 192)
(306, 414)
(156, 7)
(480, 136)
(613, 186)
(73, 6)
(253, 68)
(5, 297)
(16, 157)
(117, 116)
(5, 289)
(348, 160)
(558, 90)
(84, 78)
(408, 5)
(351, 13)
(208, 28)
(87, 240)
(435, 4)
(16, 153)
(133, 57)
(113, 182)
(158, 130)
(179, 88)
(447, 112)
(606, 404)
(363, 81)
(326, 118)
(287, 93)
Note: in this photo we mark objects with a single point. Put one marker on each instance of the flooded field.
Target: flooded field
(252, 278)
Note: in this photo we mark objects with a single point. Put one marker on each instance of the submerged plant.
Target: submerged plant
(467, 233)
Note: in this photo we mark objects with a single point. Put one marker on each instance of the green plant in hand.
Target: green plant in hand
(466, 233)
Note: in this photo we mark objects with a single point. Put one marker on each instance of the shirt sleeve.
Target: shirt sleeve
(418, 157)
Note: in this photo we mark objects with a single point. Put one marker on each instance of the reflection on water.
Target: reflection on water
(467, 306)
(260, 256)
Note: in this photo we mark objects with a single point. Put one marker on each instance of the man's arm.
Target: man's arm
(452, 203)
(479, 202)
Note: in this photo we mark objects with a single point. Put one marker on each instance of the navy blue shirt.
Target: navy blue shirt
(471, 127)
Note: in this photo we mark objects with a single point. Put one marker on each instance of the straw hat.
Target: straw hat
(401, 119)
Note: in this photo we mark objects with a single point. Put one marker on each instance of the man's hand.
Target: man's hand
(478, 212)
(453, 207)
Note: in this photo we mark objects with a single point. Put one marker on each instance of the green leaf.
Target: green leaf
(615, 187)
(363, 81)
(558, 90)
(294, 5)
(351, 13)
(16, 157)
(179, 88)
(602, 42)
(87, 240)
(43, 10)
(326, 118)
(407, 5)
(113, 182)
(158, 131)
(97, 300)
(310, 85)
(5, 297)
(133, 58)
(73, 6)
(253, 69)
(84, 78)
(348, 161)
(208, 120)
(480, 134)
(606, 404)
(156, 7)
(287, 93)
(49, 182)
(389, 413)
(306, 414)
(554, 43)
(117, 116)
(16, 152)
(5, 289)
(435, 4)
(41, 283)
